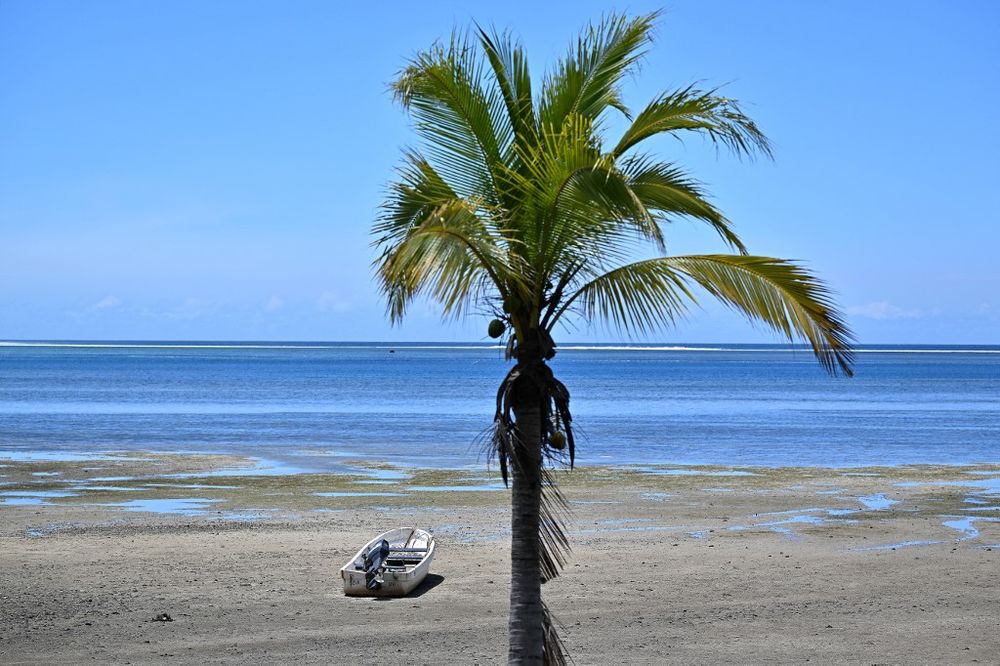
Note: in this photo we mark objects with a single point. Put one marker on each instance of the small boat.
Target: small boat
(390, 565)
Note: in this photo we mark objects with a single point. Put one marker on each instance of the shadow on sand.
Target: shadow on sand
(428, 584)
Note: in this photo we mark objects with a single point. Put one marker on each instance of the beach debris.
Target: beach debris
(496, 328)
(162, 617)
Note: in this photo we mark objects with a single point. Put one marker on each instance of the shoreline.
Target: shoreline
(78, 473)
(710, 565)
(303, 461)
(124, 480)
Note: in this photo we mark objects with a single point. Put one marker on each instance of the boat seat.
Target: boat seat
(396, 557)
(404, 557)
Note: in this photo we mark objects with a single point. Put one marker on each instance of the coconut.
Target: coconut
(496, 328)
(512, 304)
(557, 440)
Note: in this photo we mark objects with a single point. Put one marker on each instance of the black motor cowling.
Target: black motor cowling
(374, 560)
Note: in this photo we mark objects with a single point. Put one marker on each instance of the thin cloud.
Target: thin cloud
(191, 308)
(106, 303)
(883, 310)
(330, 301)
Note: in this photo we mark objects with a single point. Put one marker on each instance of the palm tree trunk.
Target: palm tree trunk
(526, 629)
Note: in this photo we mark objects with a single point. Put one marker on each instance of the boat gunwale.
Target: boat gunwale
(401, 576)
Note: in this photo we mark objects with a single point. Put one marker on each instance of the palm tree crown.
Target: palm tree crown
(518, 203)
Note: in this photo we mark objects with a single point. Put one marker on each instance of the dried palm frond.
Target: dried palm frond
(555, 653)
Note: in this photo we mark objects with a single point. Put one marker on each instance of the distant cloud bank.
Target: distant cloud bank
(883, 310)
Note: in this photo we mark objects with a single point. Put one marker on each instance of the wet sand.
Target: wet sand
(669, 565)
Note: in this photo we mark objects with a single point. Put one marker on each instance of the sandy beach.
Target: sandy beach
(670, 565)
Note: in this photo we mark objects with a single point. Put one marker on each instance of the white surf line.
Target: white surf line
(780, 351)
(641, 348)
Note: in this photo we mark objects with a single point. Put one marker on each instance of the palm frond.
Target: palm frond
(639, 297)
(587, 80)
(419, 191)
(669, 192)
(555, 515)
(599, 215)
(451, 256)
(545, 165)
(719, 118)
(510, 68)
(577, 202)
(555, 653)
(778, 293)
(459, 113)
(781, 294)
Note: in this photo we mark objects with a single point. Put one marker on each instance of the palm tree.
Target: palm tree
(517, 204)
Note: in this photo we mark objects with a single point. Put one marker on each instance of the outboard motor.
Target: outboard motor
(374, 560)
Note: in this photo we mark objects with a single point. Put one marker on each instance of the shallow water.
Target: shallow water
(37, 493)
(313, 407)
(983, 487)
(486, 487)
(261, 467)
(348, 493)
(901, 544)
(786, 525)
(31, 455)
(185, 506)
(876, 502)
(24, 501)
(967, 525)
(657, 471)
(189, 486)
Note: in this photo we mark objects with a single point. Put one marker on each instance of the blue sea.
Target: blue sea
(316, 406)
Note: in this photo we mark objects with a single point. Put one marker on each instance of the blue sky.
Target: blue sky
(210, 170)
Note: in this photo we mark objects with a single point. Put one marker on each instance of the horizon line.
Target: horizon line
(482, 344)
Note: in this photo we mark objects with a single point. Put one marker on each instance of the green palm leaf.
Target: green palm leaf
(510, 67)
(460, 114)
(782, 295)
(587, 80)
(692, 110)
(646, 295)
(668, 192)
(451, 256)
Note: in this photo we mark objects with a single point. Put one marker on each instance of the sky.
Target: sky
(192, 170)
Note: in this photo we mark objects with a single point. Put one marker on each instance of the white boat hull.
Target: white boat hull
(394, 581)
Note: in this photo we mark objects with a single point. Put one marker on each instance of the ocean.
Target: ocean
(316, 406)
